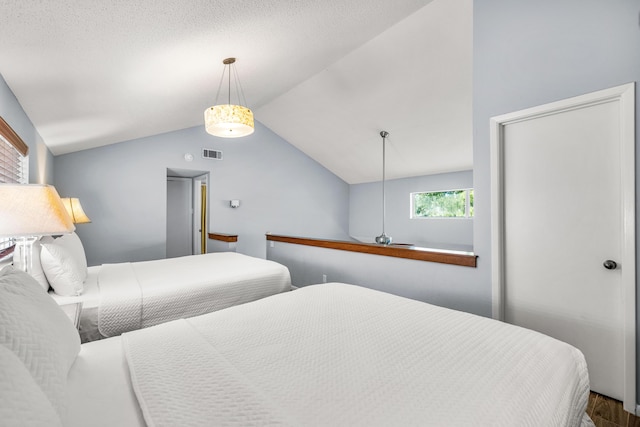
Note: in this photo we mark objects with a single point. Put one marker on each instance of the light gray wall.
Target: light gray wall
(40, 158)
(365, 212)
(122, 188)
(528, 53)
(447, 285)
(218, 246)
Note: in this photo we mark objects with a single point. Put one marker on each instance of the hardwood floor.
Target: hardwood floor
(607, 412)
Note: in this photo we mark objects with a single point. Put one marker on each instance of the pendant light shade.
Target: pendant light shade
(229, 120)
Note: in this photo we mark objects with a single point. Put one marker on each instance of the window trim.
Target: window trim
(12, 137)
(467, 205)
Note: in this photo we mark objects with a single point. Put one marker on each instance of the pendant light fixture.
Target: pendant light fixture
(383, 239)
(228, 120)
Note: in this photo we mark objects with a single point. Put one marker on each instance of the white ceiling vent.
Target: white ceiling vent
(211, 154)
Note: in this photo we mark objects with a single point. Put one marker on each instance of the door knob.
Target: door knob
(610, 264)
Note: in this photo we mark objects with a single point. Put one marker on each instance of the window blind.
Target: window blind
(13, 167)
(11, 164)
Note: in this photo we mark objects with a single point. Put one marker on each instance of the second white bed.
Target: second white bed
(122, 297)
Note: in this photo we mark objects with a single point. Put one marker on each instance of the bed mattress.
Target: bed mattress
(100, 389)
(128, 296)
(342, 355)
(90, 299)
(142, 294)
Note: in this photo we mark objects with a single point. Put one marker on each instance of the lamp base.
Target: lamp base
(383, 239)
(24, 249)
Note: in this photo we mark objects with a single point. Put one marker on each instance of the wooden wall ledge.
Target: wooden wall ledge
(229, 238)
(466, 259)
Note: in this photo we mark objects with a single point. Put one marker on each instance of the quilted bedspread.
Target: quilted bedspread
(342, 355)
(141, 294)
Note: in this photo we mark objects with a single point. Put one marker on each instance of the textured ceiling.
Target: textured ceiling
(325, 75)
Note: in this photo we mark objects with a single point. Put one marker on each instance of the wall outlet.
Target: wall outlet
(324, 278)
(272, 244)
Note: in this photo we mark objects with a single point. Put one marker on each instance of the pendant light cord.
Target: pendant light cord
(220, 85)
(229, 102)
(239, 90)
(229, 68)
(383, 179)
(384, 135)
(383, 239)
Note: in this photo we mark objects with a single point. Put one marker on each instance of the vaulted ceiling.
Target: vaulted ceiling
(327, 76)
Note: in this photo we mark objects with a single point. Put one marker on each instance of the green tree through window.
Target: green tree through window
(443, 204)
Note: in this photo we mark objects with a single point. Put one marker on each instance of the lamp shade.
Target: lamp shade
(32, 210)
(228, 121)
(74, 209)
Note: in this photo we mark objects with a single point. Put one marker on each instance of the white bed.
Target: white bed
(330, 354)
(90, 299)
(117, 298)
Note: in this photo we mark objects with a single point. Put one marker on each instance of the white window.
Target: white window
(442, 204)
(14, 167)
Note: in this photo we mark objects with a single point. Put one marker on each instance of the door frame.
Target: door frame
(199, 219)
(200, 213)
(624, 95)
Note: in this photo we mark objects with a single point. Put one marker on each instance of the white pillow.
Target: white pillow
(22, 401)
(63, 266)
(38, 332)
(73, 244)
(36, 269)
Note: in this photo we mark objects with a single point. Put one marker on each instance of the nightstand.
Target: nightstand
(73, 310)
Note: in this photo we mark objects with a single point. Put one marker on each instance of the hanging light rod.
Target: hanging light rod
(383, 239)
(229, 120)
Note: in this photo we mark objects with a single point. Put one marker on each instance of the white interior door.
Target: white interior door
(564, 204)
(179, 217)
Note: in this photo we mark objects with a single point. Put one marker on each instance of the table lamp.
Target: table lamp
(74, 209)
(28, 211)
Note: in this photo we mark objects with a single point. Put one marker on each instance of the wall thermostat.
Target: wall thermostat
(234, 203)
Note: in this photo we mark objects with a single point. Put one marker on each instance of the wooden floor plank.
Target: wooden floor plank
(608, 412)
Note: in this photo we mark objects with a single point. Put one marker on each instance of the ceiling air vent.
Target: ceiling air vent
(211, 154)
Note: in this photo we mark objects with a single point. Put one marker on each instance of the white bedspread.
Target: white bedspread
(141, 294)
(342, 355)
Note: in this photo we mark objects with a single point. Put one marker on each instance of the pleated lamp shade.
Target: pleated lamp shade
(74, 209)
(28, 210)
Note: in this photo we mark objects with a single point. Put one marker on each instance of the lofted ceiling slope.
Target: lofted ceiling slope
(327, 75)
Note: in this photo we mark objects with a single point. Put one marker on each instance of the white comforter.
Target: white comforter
(141, 294)
(342, 355)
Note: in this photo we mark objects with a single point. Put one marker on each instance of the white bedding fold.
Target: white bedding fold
(187, 362)
(120, 299)
(337, 354)
(141, 294)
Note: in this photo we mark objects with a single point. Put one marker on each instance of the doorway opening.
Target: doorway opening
(187, 212)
